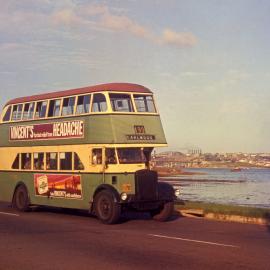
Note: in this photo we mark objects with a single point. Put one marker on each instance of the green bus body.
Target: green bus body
(104, 188)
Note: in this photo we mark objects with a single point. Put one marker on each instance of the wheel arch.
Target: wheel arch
(109, 188)
(20, 183)
(165, 191)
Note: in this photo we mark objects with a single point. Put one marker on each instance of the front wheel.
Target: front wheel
(164, 212)
(21, 199)
(107, 210)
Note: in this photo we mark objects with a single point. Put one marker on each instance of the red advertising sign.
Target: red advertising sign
(65, 186)
(55, 130)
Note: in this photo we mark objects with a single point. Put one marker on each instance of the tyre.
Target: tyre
(107, 210)
(164, 212)
(21, 199)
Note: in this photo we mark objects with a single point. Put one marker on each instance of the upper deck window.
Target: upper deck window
(68, 106)
(99, 103)
(144, 103)
(131, 155)
(83, 104)
(121, 103)
(7, 114)
(28, 110)
(54, 107)
(41, 109)
(17, 112)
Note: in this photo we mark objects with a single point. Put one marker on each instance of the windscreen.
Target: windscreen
(131, 155)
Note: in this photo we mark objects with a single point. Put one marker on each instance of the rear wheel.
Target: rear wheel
(164, 212)
(21, 199)
(107, 210)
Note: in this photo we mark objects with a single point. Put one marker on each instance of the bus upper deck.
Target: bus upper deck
(109, 113)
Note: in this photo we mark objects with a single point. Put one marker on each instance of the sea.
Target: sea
(248, 187)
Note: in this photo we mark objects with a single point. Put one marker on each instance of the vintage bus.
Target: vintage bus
(86, 148)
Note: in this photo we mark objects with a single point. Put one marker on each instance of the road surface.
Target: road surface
(58, 239)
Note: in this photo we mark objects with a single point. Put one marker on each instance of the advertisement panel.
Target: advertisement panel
(65, 186)
(46, 131)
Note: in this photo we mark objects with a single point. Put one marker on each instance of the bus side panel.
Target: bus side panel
(88, 185)
(122, 182)
(8, 182)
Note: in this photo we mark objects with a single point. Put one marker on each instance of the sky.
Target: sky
(208, 62)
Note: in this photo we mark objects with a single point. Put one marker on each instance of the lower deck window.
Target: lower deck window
(38, 161)
(65, 161)
(26, 161)
(97, 156)
(78, 165)
(110, 156)
(51, 161)
(15, 164)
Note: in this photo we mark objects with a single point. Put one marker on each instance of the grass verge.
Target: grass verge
(225, 209)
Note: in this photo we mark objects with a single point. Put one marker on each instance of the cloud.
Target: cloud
(191, 74)
(183, 39)
(124, 24)
(65, 17)
(100, 17)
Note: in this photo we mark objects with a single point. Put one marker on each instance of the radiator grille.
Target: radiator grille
(146, 185)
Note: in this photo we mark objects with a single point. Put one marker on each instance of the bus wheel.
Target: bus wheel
(21, 199)
(106, 209)
(164, 212)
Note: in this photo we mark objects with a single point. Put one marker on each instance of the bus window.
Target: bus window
(38, 161)
(65, 161)
(110, 156)
(41, 109)
(54, 107)
(28, 110)
(97, 156)
(130, 155)
(144, 103)
(7, 115)
(51, 161)
(121, 103)
(99, 103)
(83, 104)
(17, 112)
(26, 161)
(15, 164)
(77, 163)
(68, 106)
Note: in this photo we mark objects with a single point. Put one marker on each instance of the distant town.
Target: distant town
(197, 159)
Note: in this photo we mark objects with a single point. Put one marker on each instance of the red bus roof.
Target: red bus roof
(121, 87)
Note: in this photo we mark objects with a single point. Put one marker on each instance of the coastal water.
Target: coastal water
(249, 187)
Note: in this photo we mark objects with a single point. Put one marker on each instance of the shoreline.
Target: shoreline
(165, 172)
(224, 212)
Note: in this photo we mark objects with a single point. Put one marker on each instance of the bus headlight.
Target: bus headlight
(177, 192)
(123, 196)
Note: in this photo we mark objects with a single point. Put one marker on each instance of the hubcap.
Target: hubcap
(105, 208)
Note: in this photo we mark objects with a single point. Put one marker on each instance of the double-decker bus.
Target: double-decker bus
(86, 148)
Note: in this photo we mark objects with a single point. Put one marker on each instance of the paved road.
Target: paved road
(54, 239)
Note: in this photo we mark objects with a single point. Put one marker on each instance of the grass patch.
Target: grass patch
(226, 209)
